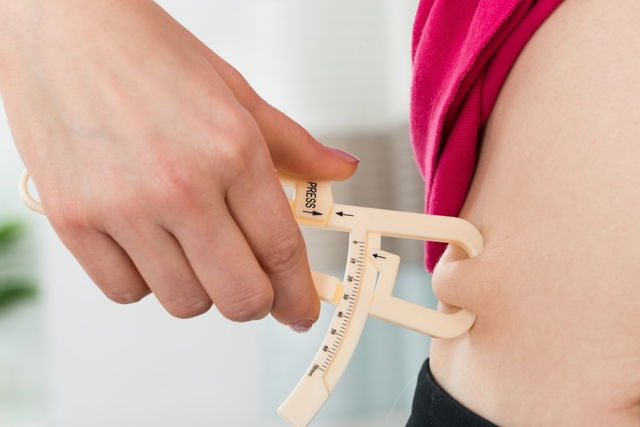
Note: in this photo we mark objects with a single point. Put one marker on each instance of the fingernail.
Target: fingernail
(344, 155)
(301, 326)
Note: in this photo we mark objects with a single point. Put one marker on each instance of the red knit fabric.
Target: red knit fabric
(462, 53)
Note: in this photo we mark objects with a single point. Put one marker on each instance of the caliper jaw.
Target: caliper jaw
(385, 306)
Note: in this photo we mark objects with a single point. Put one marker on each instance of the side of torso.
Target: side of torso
(556, 194)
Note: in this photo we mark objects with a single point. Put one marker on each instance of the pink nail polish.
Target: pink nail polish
(344, 155)
(301, 326)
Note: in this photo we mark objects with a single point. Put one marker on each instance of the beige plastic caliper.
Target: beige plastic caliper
(368, 283)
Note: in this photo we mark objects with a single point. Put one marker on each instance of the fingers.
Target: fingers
(163, 265)
(224, 263)
(259, 206)
(293, 150)
(102, 258)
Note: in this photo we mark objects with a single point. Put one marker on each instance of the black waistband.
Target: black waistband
(434, 407)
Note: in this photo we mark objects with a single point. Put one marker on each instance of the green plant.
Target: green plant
(13, 288)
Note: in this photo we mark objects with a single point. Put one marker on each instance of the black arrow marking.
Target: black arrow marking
(314, 213)
(343, 214)
(379, 256)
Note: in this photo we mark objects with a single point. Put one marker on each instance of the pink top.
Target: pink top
(462, 53)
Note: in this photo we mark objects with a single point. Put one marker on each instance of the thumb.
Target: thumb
(293, 150)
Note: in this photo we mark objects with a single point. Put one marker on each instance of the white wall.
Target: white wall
(10, 168)
(337, 66)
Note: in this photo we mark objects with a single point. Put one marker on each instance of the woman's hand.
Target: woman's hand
(154, 159)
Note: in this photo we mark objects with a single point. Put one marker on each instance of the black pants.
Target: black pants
(433, 407)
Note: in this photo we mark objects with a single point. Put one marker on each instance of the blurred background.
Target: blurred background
(71, 358)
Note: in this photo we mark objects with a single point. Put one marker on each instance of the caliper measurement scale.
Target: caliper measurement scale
(344, 331)
(367, 288)
(347, 309)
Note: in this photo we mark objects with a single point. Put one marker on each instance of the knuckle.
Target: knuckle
(176, 188)
(172, 183)
(179, 190)
(188, 306)
(69, 219)
(250, 306)
(237, 135)
(285, 253)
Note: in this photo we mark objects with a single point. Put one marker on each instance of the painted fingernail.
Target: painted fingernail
(301, 326)
(344, 155)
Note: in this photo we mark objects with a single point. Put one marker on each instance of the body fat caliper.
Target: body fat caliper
(367, 288)
(368, 283)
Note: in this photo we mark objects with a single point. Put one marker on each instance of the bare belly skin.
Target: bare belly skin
(556, 195)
